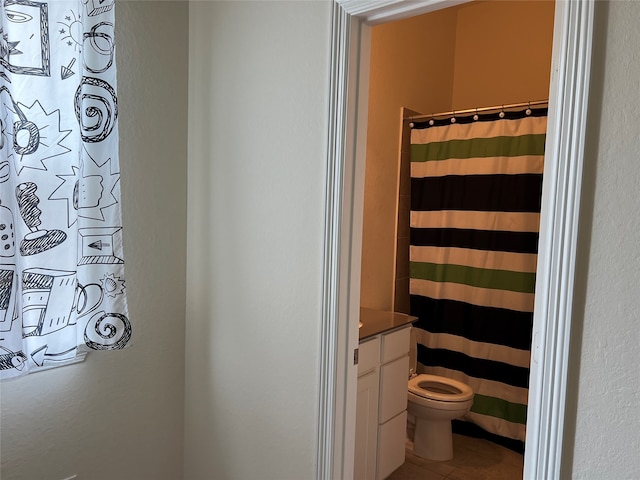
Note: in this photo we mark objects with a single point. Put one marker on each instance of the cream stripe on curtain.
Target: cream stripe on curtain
(476, 188)
(62, 287)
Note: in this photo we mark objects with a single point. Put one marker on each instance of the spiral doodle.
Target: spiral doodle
(96, 113)
(111, 335)
(102, 44)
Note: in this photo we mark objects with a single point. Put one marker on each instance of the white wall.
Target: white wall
(604, 398)
(258, 89)
(119, 415)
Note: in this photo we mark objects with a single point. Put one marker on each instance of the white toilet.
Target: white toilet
(434, 401)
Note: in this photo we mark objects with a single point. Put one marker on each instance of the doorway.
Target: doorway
(451, 60)
(554, 290)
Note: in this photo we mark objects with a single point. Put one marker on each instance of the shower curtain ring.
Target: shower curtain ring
(476, 116)
(453, 119)
(501, 115)
(528, 110)
(432, 121)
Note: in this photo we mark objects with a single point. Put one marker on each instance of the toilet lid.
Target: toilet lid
(440, 388)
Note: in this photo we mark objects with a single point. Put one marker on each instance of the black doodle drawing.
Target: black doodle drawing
(5, 169)
(9, 359)
(28, 51)
(100, 40)
(8, 292)
(66, 71)
(100, 246)
(36, 134)
(112, 285)
(53, 299)
(36, 241)
(42, 355)
(68, 192)
(88, 194)
(71, 30)
(98, 7)
(3, 134)
(107, 331)
(96, 108)
(7, 235)
(87, 298)
(40, 316)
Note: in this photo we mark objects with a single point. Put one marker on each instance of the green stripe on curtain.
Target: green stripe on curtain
(487, 297)
(494, 260)
(477, 277)
(496, 407)
(479, 147)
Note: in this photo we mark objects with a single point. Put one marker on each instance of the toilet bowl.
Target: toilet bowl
(434, 401)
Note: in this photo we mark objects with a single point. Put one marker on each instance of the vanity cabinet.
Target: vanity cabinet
(381, 412)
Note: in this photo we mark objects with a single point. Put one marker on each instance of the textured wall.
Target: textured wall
(257, 137)
(119, 415)
(604, 395)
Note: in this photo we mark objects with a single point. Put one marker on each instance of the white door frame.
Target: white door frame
(568, 95)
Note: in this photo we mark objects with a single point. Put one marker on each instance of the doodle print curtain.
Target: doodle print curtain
(62, 287)
(476, 189)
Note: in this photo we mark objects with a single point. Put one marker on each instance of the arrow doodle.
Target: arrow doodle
(66, 72)
(41, 354)
(98, 244)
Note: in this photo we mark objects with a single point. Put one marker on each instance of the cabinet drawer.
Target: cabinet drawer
(368, 353)
(391, 445)
(393, 388)
(395, 344)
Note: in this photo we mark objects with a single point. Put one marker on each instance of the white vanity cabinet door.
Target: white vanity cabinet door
(366, 427)
(391, 445)
(393, 388)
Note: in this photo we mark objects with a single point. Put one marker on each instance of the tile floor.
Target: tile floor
(473, 459)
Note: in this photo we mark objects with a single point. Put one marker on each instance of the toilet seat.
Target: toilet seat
(439, 388)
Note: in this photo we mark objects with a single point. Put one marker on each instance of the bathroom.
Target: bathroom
(438, 62)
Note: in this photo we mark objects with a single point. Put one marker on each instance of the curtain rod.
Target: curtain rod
(454, 113)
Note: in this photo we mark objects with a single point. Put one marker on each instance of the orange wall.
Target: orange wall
(398, 78)
(475, 55)
(503, 53)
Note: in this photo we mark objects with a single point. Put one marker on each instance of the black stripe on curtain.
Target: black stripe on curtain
(492, 240)
(477, 323)
(474, 367)
(469, 429)
(482, 117)
(490, 193)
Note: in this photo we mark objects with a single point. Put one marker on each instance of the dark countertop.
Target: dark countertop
(375, 322)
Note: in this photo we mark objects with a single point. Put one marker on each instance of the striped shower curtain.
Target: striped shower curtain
(476, 188)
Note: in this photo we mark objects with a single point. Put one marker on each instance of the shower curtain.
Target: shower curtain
(62, 283)
(476, 186)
